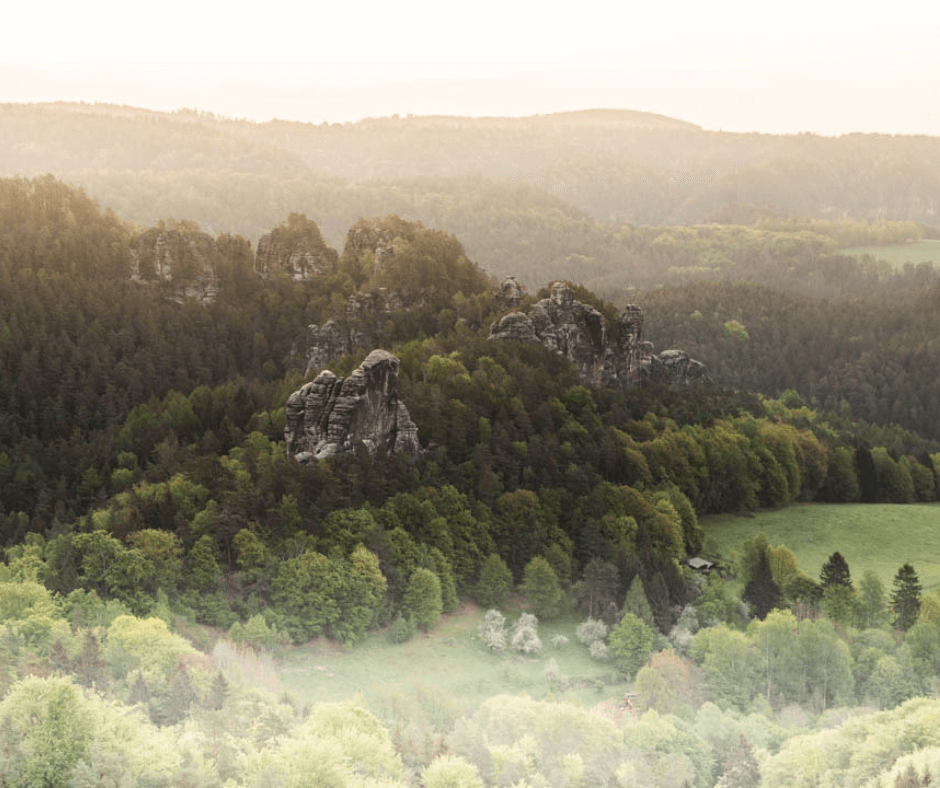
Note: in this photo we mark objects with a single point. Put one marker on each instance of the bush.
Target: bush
(401, 630)
(559, 640)
(493, 630)
(525, 635)
(599, 651)
(591, 631)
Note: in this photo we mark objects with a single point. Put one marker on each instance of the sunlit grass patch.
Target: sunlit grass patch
(447, 672)
(879, 537)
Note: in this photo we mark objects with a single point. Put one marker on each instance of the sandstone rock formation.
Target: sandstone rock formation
(180, 258)
(361, 327)
(295, 248)
(615, 358)
(511, 293)
(372, 236)
(333, 415)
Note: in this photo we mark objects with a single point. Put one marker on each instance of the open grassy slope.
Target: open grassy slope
(880, 537)
(447, 672)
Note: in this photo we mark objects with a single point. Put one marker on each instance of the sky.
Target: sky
(824, 67)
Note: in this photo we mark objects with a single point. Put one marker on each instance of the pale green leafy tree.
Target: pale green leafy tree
(779, 661)
(146, 645)
(730, 664)
(541, 588)
(451, 771)
(45, 732)
(423, 601)
(630, 644)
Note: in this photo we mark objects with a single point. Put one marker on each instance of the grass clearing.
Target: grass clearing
(879, 537)
(898, 254)
(447, 672)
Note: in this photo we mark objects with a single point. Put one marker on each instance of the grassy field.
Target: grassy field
(898, 254)
(880, 537)
(446, 673)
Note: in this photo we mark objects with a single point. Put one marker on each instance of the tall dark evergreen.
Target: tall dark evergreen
(762, 593)
(867, 477)
(835, 572)
(905, 599)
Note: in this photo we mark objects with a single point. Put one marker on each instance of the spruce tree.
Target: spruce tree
(762, 593)
(905, 600)
(835, 572)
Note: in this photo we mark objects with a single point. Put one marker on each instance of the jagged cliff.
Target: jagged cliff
(361, 327)
(616, 358)
(333, 415)
(296, 248)
(181, 258)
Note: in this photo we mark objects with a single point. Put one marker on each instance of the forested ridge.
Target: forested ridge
(147, 493)
(597, 192)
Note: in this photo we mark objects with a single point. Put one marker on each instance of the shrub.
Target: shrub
(401, 630)
(591, 631)
(559, 640)
(525, 635)
(493, 630)
(599, 651)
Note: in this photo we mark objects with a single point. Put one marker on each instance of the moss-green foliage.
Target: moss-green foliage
(630, 644)
(541, 588)
(494, 584)
(422, 601)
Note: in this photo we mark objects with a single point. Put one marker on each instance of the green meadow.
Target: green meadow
(880, 537)
(448, 672)
(898, 254)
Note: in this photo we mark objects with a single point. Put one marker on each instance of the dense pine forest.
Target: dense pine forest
(158, 537)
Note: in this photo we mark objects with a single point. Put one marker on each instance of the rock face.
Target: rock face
(180, 259)
(299, 261)
(615, 358)
(675, 366)
(295, 248)
(370, 235)
(510, 293)
(333, 415)
(362, 327)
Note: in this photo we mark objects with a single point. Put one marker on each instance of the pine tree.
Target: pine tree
(762, 593)
(905, 600)
(867, 477)
(835, 572)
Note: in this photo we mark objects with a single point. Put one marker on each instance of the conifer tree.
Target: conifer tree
(637, 603)
(762, 593)
(835, 572)
(905, 600)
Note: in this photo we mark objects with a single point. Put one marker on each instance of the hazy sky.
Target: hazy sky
(827, 67)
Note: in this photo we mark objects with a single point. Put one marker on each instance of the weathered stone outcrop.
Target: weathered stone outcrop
(333, 415)
(295, 248)
(181, 260)
(675, 366)
(299, 261)
(511, 293)
(362, 327)
(372, 236)
(615, 358)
